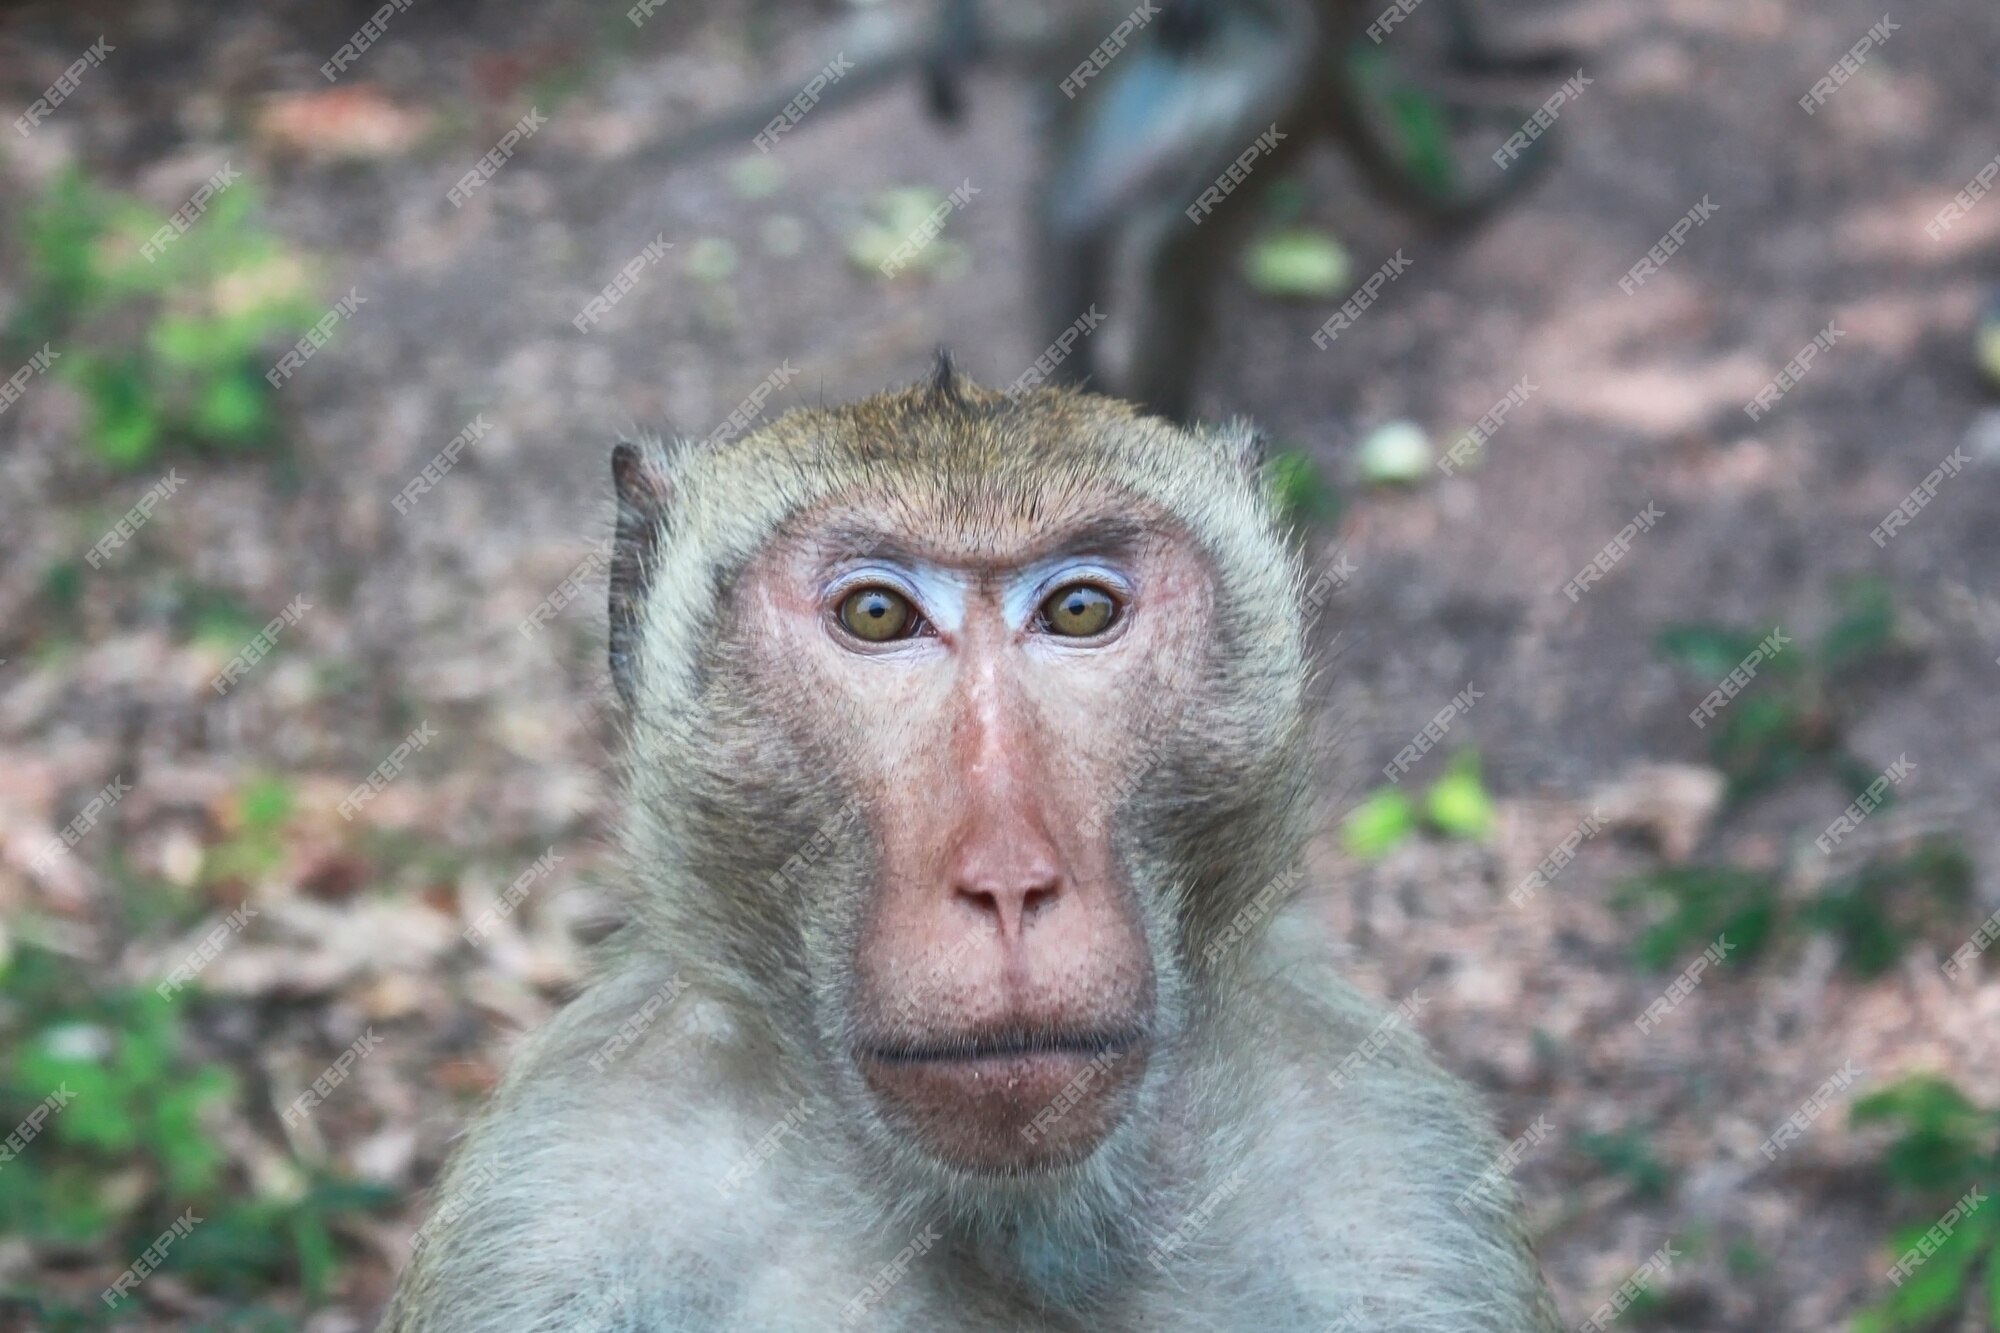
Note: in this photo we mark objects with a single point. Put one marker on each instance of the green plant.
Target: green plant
(1628, 1154)
(130, 1142)
(1455, 806)
(1689, 906)
(1787, 719)
(1872, 912)
(1301, 489)
(1945, 1161)
(167, 350)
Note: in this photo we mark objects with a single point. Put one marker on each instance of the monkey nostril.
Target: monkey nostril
(1011, 904)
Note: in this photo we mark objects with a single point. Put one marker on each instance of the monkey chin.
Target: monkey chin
(1010, 1106)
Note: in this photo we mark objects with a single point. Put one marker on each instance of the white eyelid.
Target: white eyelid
(1024, 597)
(938, 597)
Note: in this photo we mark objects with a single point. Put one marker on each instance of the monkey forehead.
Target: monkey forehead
(978, 475)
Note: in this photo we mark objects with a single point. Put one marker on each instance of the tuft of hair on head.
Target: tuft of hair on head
(946, 388)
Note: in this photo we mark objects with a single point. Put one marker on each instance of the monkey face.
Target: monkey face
(992, 707)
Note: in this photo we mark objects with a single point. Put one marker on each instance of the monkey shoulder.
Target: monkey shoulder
(1375, 1181)
(621, 1183)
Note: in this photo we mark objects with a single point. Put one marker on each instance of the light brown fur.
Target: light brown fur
(729, 1170)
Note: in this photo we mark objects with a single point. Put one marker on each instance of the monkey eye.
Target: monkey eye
(878, 614)
(1078, 610)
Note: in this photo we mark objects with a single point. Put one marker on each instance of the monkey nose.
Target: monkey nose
(1007, 873)
(1009, 902)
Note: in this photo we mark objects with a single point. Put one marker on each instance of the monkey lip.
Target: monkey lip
(1007, 1102)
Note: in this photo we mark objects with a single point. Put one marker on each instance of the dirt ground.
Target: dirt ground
(1638, 399)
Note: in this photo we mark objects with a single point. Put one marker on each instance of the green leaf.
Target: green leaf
(1993, 1288)
(1375, 826)
(1457, 803)
(1298, 262)
(1707, 652)
(1300, 489)
(233, 407)
(1865, 629)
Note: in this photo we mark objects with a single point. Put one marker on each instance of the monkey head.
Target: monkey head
(974, 720)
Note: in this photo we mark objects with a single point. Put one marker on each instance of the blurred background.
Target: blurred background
(317, 322)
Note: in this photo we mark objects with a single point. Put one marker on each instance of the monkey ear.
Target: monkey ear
(645, 494)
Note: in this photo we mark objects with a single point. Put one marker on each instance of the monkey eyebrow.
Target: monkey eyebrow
(1106, 536)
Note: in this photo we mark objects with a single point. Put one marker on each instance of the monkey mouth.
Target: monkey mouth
(1012, 1044)
(1010, 1101)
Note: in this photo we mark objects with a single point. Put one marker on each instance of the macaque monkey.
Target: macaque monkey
(966, 984)
(1161, 124)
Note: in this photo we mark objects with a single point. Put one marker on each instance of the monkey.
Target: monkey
(1142, 110)
(1148, 154)
(968, 980)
